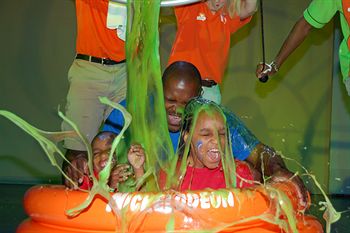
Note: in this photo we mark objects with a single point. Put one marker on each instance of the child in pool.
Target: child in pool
(101, 146)
(207, 149)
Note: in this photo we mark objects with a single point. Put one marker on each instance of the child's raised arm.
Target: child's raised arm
(136, 157)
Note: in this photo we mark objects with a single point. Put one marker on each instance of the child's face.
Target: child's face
(209, 133)
(101, 147)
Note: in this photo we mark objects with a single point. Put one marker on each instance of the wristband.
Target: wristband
(274, 66)
(269, 67)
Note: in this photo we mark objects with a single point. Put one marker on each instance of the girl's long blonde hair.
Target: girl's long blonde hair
(233, 7)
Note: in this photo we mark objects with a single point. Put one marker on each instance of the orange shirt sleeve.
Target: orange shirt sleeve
(236, 23)
(180, 13)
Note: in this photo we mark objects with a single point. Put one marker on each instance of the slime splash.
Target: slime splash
(149, 127)
(145, 100)
(49, 142)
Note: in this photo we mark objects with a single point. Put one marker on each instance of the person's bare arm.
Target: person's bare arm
(269, 163)
(248, 8)
(136, 157)
(266, 160)
(296, 36)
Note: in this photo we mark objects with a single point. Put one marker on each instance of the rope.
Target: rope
(262, 31)
(264, 78)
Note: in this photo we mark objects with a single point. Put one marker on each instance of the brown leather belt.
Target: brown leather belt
(208, 83)
(103, 61)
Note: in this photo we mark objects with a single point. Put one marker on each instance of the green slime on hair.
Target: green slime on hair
(227, 160)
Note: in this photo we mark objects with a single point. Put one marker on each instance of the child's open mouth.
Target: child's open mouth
(103, 163)
(214, 155)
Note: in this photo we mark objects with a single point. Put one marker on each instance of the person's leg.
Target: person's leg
(88, 81)
(212, 93)
(117, 90)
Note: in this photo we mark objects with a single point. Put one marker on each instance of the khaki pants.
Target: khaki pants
(88, 81)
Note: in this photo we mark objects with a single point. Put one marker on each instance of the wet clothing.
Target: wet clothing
(98, 70)
(87, 182)
(202, 178)
(203, 39)
(320, 12)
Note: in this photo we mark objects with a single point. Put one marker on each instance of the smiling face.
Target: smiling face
(101, 146)
(208, 140)
(177, 92)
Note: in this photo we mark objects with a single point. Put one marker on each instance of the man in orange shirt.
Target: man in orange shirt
(99, 69)
(203, 38)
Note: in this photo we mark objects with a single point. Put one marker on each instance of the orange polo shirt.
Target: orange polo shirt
(203, 39)
(93, 36)
(346, 10)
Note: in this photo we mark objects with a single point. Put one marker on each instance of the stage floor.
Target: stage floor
(12, 212)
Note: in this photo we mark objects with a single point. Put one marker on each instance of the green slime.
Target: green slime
(145, 100)
(49, 142)
(145, 103)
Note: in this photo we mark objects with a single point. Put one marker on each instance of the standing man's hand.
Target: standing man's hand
(264, 69)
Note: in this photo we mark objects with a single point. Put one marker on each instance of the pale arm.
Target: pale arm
(248, 8)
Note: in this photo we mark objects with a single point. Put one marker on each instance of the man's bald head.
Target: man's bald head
(185, 72)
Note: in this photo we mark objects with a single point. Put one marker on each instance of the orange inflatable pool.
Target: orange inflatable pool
(209, 210)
